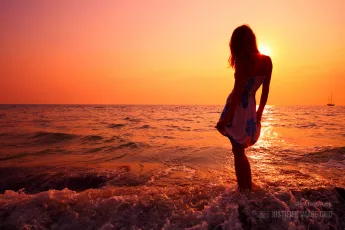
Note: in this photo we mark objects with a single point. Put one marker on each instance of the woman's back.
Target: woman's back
(256, 69)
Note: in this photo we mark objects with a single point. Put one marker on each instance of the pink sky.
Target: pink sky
(165, 52)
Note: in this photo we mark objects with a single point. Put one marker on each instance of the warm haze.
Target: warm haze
(166, 52)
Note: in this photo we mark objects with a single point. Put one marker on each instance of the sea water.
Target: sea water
(166, 166)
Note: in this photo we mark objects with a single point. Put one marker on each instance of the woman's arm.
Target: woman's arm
(265, 89)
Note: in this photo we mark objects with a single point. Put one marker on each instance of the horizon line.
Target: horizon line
(155, 104)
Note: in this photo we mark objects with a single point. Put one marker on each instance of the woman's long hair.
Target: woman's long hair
(242, 44)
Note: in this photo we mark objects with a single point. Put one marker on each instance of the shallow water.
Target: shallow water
(152, 166)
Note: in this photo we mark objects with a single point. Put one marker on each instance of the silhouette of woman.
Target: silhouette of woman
(239, 121)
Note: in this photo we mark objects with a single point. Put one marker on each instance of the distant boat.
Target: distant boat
(330, 103)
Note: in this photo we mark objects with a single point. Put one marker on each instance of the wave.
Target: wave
(130, 144)
(132, 119)
(92, 138)
(4, 134)
(97, 149)
(186, 119)
(165, 119)
(34, 180)
(203, 130)
(37, 153)
(13, 156)
(324, 156)
(306, 125)
(146, 127)
(115, 158)
(113, 126)
(203, 206)
(52, 137)
(41, 121)
(336, 164)
(114, 138)
(180, 128)
(109, 148)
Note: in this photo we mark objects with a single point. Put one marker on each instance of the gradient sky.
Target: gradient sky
(165, 52)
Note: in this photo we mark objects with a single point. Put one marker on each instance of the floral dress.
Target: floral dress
(244, 129)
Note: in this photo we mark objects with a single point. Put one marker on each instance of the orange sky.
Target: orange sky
(165, 52)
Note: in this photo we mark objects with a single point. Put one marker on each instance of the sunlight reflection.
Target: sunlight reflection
(269, 137)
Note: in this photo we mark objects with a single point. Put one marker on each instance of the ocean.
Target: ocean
(166, 167)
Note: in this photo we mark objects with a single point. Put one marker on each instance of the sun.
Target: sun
(265, 49)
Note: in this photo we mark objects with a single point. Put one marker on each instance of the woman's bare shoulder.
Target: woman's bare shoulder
(266, 60)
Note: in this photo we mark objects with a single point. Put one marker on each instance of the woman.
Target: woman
(240, 121)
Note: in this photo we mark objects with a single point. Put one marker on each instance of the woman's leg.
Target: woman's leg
(242, 167)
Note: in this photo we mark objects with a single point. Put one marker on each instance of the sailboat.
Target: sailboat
(330, 103)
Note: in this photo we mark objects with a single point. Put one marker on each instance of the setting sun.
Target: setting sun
(138, 52)
(264, 49)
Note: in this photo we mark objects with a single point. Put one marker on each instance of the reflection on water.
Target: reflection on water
(134, 157)
(165, 136)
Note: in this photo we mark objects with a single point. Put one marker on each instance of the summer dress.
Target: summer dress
(244, 129)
